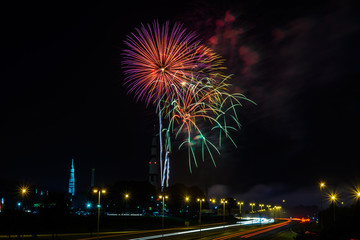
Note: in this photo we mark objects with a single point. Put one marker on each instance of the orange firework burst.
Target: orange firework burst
(160, 59)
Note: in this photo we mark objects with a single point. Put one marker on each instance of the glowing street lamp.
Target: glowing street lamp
(126, 198)
(261, 206)
(200, 200)
(23, 192)
(356, 195)
(276, 208)
(240, 203)
(333, 199)
(187, 200)
(252, 207)
(223, 202)
(322, 186)
(163, 197)
(99, 191)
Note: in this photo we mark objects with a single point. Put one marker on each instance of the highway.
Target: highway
(272, 231)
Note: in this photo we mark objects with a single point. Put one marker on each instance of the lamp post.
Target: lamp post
(276, 208)
(261, 206)
(23, 193)
(240, 203)
(200, 200)
(268, 207)
(333, 199)
(321, 185)
(163, 197)
(99, 191)
(187, 200)
(252, 207)
(223, 201)
(126, 197)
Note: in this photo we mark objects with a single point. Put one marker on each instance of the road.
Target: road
(208, 232)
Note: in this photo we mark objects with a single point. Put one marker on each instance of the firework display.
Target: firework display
(161, 58)
(170, 68)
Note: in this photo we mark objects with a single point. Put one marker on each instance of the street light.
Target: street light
(223, 202)
(268, 207)
(240, 203)
(23, 191)
(99, 191)
(163, 197)
(321, 185)
(333, 199)
(276, 208)
(252, 207)
(261, 206)
(200, 200)
(187, 200)
(212, 200)
(126, 197)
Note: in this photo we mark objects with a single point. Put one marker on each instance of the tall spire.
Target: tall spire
(72, 179)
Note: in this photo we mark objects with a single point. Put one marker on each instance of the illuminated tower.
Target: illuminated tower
(72, 180)
(154, 169)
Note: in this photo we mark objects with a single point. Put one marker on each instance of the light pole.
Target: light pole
(240, 203)
(321, 185)
(23, 193)
(223, 201)
(261, 206)
(187, 200)
(252, 207)
(99, 191)
(333, 199)
(276, 208)
(163, 197)
(126, 197)
(268, 207)
(200, 200)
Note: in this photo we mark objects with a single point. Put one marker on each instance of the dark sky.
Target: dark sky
(62, 95)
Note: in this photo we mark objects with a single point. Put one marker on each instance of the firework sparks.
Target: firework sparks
(161, 58)
(207, 103)
(183, 78)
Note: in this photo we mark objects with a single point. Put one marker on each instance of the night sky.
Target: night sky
(63, 97)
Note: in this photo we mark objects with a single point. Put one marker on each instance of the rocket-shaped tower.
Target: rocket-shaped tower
(72, 180)
(154, 169)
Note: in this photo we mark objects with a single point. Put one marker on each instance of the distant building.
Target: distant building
(154, 169)
(72, 180)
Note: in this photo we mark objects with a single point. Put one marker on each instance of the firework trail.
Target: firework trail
(207, 102)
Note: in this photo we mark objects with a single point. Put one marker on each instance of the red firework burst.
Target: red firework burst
(161, 59)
